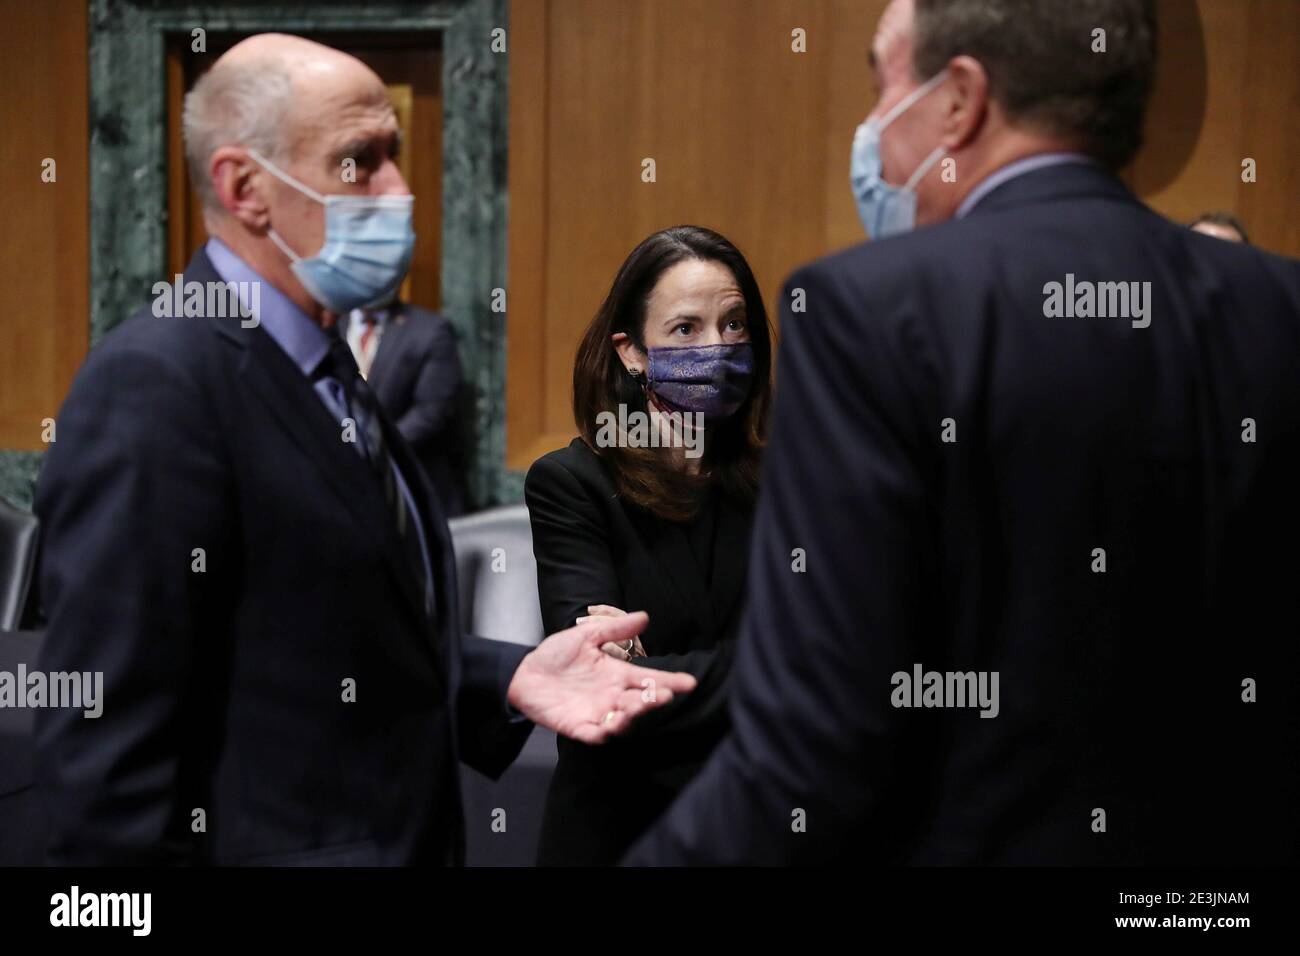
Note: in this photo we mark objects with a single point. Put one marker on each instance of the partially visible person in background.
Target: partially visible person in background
(1220, 225)
(682, 332)
(409, 359)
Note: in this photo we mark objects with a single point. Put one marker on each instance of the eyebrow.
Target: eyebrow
(739, 307)
(363, 145)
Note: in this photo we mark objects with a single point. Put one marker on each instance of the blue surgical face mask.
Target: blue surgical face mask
(369, 241)
(712, 380)
(887, 210)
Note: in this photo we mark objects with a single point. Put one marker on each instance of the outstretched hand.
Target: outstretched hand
(571, 686)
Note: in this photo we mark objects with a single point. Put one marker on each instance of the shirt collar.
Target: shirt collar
(1010, 171)
(380, 316)
(305, 342)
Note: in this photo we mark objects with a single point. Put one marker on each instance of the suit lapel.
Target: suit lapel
(293, 402)
(389, 347)
(438, 538)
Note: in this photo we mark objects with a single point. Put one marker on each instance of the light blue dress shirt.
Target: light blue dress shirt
(1012, 170)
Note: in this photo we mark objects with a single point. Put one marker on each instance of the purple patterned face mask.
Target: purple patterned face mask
(712, 380)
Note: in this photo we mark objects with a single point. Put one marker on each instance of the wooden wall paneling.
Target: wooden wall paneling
(44, 226)
(1270, 109)
(526, 381)
(1182, 183)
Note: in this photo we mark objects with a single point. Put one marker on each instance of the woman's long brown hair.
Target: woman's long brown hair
(732, 449)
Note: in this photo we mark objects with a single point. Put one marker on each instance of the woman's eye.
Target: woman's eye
(685, 328)
(736, 325)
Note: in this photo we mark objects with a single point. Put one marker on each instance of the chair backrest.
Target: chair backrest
(18, 535)
(497, 575)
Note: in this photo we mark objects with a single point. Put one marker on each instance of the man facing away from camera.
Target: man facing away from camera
(240, 540)
(1033, 440)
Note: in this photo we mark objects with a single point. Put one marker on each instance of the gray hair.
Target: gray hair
(1041, 67)
(234, 104)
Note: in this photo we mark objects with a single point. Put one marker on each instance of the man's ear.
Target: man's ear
(968, 102)
(633, 358)
(239, 188)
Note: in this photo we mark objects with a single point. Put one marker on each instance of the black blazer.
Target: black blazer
(1121, 690)
(592, 547)
(416, 376)
(224, 668)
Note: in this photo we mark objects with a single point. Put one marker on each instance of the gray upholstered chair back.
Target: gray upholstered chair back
(17, 561)
(497, 575)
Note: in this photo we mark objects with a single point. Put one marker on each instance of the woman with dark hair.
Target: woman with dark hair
(650, 509)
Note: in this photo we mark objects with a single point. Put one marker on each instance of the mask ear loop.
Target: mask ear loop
(924, 168)
(283, 246)
(899, 108)
(906, 102)
(280, 174)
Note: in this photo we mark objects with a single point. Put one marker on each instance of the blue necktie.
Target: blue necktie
(340, 365)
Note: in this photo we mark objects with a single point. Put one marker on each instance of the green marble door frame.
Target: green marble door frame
(128, 178)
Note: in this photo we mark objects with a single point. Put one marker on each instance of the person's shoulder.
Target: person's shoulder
(882, 268)
(575, 458)
(426, 321)
(172, 365)
(574, 463)
(182, 344)
(865, 292)
(1249, 262)
(418, 313)
(425, 333)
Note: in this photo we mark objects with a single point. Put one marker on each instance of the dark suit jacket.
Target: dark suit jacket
(224, 681)
(416, 376)
(594, 548)
(1120, 691)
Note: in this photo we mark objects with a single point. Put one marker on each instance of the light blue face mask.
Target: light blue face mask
(887, 210)
(369, 241)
